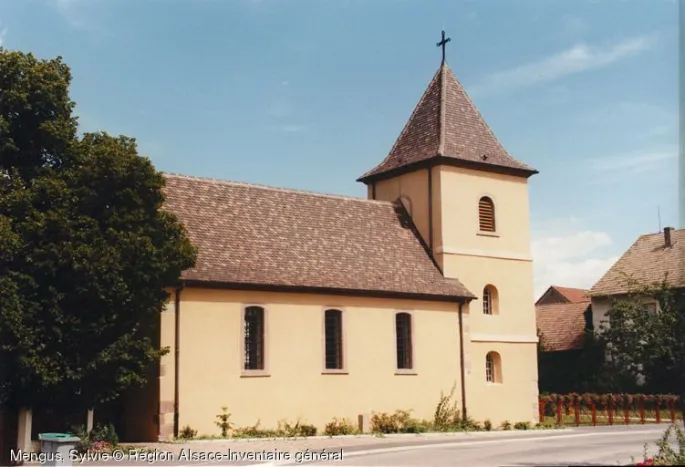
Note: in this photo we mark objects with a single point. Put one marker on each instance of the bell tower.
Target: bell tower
(468, 198)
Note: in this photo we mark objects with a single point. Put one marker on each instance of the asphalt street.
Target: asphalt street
(584, 446)
(580, 446)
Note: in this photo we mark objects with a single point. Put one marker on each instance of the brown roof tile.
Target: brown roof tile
(562, 325)
(572, 295)
(556, 294)
(446, 125)
(261, 236)
(647, 262)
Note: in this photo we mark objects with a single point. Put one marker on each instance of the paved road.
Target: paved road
(583, 446)
(600, 445)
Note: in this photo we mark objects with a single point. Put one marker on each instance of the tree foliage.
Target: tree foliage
(86, 249)
(647, 346)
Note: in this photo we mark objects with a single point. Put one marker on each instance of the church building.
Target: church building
(307, 306)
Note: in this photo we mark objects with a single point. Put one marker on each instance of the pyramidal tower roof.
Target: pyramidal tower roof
(446, 128)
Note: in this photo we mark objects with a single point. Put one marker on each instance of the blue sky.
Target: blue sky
(311, 94)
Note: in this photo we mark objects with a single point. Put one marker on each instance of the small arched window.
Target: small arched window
(254, 338)
(334, 339)
(486, 214)
(404, 341)
(490, 300)
(493, 368)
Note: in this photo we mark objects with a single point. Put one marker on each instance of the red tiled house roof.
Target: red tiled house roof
(648, 261)
(560, 317)
(251, 236)
(556, 294)
(562, 325)
(446, 128)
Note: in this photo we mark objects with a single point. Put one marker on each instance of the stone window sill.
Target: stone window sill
(255, 374)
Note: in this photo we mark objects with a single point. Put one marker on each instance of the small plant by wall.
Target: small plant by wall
(187, 433)
(296, 430)
(224, 422)
(522, 426)
(666, 455)
(340, 427)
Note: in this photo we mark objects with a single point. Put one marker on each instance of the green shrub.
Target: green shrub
(666, 455)
(447, 412)
(99, 436)
(506, 425)
(399, 422)
(187, 433)
(522, 426)
(224, 422)
(255, 432)
(487, 424)
(339, 427)
(297, 430)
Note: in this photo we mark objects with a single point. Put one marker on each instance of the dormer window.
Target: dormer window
(486, 214)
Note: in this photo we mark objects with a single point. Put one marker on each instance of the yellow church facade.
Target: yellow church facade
(306, 306)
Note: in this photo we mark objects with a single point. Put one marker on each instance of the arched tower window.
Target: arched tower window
(493, 367)
(490, 300)
(486, 214)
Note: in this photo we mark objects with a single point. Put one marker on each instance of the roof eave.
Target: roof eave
(327, 291)
(449, 161)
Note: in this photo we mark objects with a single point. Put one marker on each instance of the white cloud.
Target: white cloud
(3, 34)
(568, 255)
(290, 128)
(636, 162)
(75, 12)
(579, 58)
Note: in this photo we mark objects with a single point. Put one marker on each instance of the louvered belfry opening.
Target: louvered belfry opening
(486, 214)
(254, 338)
(404, 344)
(333, 330)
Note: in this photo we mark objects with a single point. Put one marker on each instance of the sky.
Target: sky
(311, 94)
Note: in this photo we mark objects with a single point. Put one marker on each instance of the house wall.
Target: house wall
(294, 385)
(602, 305)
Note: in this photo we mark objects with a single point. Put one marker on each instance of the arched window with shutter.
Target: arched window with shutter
(486, 214)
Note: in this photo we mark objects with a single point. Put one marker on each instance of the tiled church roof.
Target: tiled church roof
(249, 235)
(446, 127)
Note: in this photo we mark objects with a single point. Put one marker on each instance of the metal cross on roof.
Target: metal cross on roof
(442, 44)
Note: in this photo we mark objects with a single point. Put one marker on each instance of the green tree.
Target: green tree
(645, 344)
(90, 248)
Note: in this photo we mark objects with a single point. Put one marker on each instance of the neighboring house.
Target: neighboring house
(652, 259)
(563, 315)
(313, 306)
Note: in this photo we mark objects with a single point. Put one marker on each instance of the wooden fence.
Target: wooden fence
(608, 409)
